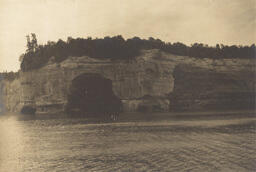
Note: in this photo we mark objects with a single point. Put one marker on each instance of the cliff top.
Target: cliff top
(117, 47)
(156, 56)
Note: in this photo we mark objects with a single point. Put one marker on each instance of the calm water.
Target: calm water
(215, 144)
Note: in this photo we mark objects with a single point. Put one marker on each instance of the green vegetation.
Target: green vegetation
(117, 47)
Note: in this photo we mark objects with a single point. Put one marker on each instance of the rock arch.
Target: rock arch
(91, 94)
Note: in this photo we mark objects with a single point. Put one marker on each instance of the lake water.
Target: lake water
(175, 144)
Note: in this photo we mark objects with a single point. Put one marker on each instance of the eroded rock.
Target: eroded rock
(155, 81)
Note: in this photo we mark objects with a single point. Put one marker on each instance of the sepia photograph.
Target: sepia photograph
(127, 85)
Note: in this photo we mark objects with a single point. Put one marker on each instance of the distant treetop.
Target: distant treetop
(117, 47)
(10, 76)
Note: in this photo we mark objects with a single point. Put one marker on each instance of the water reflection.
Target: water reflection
(11, 144)
(170, 145)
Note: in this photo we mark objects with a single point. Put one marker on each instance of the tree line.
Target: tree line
(117, 47)
(10, 76)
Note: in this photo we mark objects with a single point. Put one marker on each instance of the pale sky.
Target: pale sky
(188, 21)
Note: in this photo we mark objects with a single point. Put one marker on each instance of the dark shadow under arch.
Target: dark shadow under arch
(91, 95)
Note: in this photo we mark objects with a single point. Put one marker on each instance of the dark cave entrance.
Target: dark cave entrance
(92, 95)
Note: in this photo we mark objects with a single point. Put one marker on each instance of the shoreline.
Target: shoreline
(145, 116)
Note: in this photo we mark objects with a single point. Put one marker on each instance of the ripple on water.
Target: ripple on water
(75, 145)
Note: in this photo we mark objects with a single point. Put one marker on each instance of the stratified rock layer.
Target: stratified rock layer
(154, 81)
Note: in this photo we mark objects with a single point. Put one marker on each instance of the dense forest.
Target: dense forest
(117, 47)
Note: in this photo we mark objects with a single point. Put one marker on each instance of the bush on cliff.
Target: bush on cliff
(118, 48)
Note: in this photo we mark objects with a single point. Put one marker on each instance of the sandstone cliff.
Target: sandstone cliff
(153, 81)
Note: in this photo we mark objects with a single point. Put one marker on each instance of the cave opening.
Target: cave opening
(92, 95)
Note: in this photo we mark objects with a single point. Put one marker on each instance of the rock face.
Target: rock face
(198, 89)
(154, 81)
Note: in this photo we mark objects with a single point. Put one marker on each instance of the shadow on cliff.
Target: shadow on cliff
(198, 89)
(91, 95)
